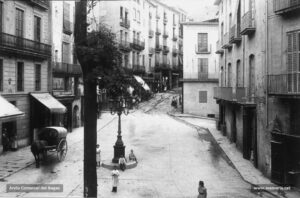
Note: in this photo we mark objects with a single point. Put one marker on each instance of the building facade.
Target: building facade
(200, 68)
(148, 35)
(283, 88)
(66, 71)
(25, 47)
(241, 93)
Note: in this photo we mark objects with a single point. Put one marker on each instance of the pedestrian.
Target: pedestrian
(202, 190)
(115, 179)
(98, 155)
(122, 163)
(132, 156)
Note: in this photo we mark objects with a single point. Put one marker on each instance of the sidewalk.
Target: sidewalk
(14, 161)
(245, 168)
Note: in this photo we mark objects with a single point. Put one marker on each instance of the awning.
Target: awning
(8, 110)
(142, 82)
(49, 102)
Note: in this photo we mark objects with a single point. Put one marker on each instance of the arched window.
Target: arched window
(239, 74)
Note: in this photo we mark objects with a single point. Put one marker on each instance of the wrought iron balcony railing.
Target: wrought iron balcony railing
(231, 94)
(219, 48)
(125, 23)
(235, 36)
(21, 46)
(158, 48)
(166, 34)
(165, 20)
(175, 51)
(151, 51)
(124, 46)
(67, 27)
(151, 33)
(66, 69)
(286, 6)
(138, 68)
(158, 31)
(166, 49)
(284, 84)
(202, 50)
(175, 37)
(40, 3)
(226, 44)
(248, 23)
(180, 51)
(138, 44)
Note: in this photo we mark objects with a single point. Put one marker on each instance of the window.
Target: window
(1, 75)
(66, 18)
(143, 60)
(1, 12)
(134, 11)
(133, 58)
(19, 22)
(75, 60)
(65, 52)
(121, 36)
(239, 77)
(126, 37)
(229, 75)
(20, 76)
(126, 16)
(126, 60)
(138, 16)
(121, 12)
(37, 77)
(202, 42)
(202, 96)
(150, 65)
(37, 28)
(138, 58)
(67, 83)
(202, 68)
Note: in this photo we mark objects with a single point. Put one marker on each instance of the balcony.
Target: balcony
(282, 7)
(125, 46)
(175, 51)
(165, 20)
(158, 31)
(235, 36)
(202, 50)
(66, 69)
(219, 49)
(166, 49)
(284, 85)
(137, 68)
(11, 44)
(248, 24)
(231, 94)
(166, 34)
(138, 44)
(158, 48)
(67, 27)
(200, 77)
(226, 44)
(157, 16)
(175, 37)
(151, 51)
(44, 4)
(151, 33)
(125, 23)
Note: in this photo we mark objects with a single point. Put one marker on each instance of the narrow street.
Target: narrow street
(172, 156)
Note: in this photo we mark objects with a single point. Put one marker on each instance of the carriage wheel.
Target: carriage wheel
(62, 149)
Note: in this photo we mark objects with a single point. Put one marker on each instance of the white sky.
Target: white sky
(199, 10)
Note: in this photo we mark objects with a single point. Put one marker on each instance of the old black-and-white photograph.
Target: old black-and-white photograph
(150, 98)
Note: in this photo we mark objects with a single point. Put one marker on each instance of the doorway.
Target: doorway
(9, 134)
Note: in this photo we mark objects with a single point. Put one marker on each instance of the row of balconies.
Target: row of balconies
(284, 84)
(125, 23)
(66, 69)
(138, 68)
(286, 6)
(165, 65)
(11, 44)
(232, 94)
(136, 44)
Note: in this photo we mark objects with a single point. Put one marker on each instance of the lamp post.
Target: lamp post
(119, 106)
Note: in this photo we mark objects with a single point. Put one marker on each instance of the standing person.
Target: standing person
(115, 179)
(98, 155)
(202, 190)
(122, 163)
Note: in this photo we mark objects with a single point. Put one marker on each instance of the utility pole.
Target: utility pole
(90, 103)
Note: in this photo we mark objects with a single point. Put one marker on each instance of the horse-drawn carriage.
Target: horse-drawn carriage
(52, 139)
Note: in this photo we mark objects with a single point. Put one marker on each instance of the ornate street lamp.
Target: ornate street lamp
(119, 106)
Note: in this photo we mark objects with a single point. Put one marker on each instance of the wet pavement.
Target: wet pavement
(173, 156)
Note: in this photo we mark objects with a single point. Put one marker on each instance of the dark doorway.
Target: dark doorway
(233, 126)
(9, 134)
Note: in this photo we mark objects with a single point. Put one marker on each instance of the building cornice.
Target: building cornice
(200, 23)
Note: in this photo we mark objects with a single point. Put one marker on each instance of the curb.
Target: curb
(231, 163)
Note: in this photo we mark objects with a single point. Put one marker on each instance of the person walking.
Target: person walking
(115, 179)
(202, 190)
(98, 155)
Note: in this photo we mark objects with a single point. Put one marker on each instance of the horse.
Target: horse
(37, 148)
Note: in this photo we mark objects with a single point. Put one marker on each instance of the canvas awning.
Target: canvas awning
(49, 102)
(142, 82)
(8, 110)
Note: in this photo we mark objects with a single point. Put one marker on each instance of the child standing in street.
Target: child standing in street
(115, 179)
(98, 155)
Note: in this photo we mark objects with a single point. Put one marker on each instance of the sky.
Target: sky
(199, 10)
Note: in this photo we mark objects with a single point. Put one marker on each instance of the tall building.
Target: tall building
(283, 89)
(25, 46)
(200, 68)
(147, 32)
(66, 71)
(241, 92)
